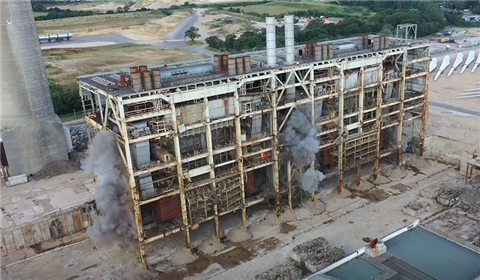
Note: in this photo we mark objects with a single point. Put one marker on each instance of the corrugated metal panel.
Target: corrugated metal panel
(216, 108)
(370, 77)
(231, 106)
(18, 238)
(55, 227)
(27, 237)
(250, 182)
(192, 113)
(167, 208)
(69, 225)
(44, 227)
(351, 81)
(36, 233)
(194, 69)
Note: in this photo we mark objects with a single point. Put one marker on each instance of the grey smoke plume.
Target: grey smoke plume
(310, 180)
(301, 146)
(112, 197)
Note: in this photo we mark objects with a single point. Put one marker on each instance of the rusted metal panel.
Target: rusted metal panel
(250, 182)
(27, 237)
(77, 220)
(44, 228)
(325, 157)
(36, 233)
(167, 208)
(69, 225)
(18, 238)
(8, 241)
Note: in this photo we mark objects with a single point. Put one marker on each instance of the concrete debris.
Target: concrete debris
(467, 198)
(182, 257)
(163, 266)
(306, 250)
(322, 260)
(211, 246)
(415, 161)
(239, 235)
(80, 137)
(415, 205)
(283, 272)
(394, 173)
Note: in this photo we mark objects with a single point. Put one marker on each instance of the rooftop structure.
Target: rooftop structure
(202, 139)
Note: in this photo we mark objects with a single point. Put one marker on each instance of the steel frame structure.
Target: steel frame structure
(380, 87)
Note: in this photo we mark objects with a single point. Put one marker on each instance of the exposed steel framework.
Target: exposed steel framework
(207, 141)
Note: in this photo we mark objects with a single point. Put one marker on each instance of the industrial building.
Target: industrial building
(31, 134)
(202, 139)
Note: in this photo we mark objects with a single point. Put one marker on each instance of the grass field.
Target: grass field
(37, 14)
(277, 8)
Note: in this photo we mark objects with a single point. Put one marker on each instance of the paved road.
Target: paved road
(178, 32)
(454, 108)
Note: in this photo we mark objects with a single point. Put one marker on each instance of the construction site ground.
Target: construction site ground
(343, 219)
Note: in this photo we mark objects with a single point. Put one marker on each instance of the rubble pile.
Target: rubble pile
(415, 205)
(322, 260)
(80, 137)
(468, 198)
(306, 250)
(283, 272)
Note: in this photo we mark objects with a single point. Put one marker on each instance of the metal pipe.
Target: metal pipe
(271, 41)
(289, 39)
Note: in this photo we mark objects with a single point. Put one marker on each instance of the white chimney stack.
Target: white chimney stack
(271, 42)
(289, 39)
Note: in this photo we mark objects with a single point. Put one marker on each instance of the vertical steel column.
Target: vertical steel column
(131, 181)
(80, 92)
(340, 127)
(312, 122)
(211, 163)
(289, 182)
(401, 109)
(425, 109)
(238, 142)
(378, 122)
(275, 167)
(181, 183)
(359, 175)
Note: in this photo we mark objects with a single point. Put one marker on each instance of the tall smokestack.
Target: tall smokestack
(31, 131)
(289, 41)
(271, 43)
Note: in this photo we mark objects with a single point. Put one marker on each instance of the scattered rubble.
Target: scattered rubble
(313, 247)
(468, 198)
(284, 272)
(415, 207)
(57, 168)
(80, 137)
(239, 234)
(182, 257)
(211, 245)
(394, 173)
(317, 262)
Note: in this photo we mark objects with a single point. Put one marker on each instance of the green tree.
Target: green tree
(192, 33)
(214, 42)
(229, 42)
(38, 7)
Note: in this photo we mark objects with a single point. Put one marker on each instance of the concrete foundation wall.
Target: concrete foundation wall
(450, 151)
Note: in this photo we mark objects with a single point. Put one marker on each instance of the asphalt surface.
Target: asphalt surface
(454, 108)
(178, 32)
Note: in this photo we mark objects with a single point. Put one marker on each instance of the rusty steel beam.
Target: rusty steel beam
(240, 167)
(275, 167)
(181, 183)
(289, 182)
(424, 112)
(133, 190)
(359, 175)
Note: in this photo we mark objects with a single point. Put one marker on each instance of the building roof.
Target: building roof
(415, 255)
